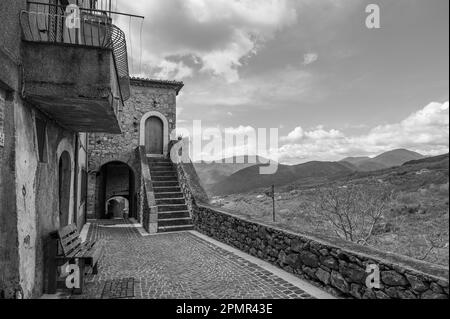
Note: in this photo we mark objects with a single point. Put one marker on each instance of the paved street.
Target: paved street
(176, 265)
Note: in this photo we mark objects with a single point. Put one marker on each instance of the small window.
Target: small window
(41, 134)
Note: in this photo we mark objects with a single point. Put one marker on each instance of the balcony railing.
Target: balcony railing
(44, 22)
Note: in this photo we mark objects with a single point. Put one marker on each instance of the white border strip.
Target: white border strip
(302, 284)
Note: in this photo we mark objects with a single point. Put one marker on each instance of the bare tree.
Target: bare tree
(435, 241)
(353, 211)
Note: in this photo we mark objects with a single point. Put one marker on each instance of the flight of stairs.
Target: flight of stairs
(173, 214)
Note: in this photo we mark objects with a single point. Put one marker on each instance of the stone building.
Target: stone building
(147, 119)
(56, 85)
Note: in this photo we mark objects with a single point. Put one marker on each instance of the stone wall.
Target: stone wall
(190, 185)
(9, 256)
(335, 265)
(10, 61)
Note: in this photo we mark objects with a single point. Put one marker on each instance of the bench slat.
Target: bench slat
(69, 239)
(63, 232)
(82, 251)
(72, 247)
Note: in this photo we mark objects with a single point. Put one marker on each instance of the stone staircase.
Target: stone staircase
(173, 214)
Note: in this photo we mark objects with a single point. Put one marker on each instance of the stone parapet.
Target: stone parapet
(337, 266)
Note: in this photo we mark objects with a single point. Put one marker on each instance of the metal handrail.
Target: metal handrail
(47, 24)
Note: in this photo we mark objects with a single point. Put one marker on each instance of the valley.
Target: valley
(414, 221)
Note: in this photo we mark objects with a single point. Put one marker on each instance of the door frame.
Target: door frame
(165, 123)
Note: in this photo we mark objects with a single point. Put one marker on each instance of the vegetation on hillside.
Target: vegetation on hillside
(403, 210)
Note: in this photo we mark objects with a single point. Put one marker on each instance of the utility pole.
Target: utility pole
(273, 202)
(271, 193)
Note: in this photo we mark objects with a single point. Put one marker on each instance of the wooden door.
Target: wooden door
(154, 137)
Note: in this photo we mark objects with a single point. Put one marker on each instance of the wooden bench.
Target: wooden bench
(66, 247)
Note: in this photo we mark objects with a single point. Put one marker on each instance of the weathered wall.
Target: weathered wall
(9, 84)
(10, 43)
(337, 266)
(9, 257)
(37, 192)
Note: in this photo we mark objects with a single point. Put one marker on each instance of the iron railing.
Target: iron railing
(43, 22)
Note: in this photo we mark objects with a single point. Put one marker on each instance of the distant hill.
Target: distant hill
(355, 160)
(249, 179)
(223, 179)
(444, 158)
(397, 157)
(215, 172)
(404, 177)
(385, 160)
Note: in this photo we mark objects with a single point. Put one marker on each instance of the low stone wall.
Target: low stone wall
(190, 185)
(149, 210)
(335, 265)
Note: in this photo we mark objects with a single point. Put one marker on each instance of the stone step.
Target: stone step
(170, 201)
(163, 173)
(160, 164)
(168, 229)
(162, 169)
(164, 178)
(169, 195)
(168, 215)
(175, 222)
(165, 184)
(170, 189)
(158, 159)
(172, 207)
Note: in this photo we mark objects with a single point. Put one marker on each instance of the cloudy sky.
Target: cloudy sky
(310, 68)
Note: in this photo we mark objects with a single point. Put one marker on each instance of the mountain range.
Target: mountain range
(222, 179)
(384, 160)
(215, 172)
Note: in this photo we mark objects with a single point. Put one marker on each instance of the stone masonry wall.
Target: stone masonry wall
(146, 96)
(337, 266)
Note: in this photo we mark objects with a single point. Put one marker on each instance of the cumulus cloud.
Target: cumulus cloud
(173, 70)
(218, 34)
(425, 131)
(295, 136)
(310, 58)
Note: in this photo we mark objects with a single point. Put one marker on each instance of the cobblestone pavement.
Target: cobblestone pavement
(175, 265)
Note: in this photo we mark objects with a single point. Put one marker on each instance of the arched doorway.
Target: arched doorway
(115, 180)
(154, 136)
(117, 207)
(64, 182)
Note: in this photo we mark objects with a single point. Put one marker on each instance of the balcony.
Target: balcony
(78, 76)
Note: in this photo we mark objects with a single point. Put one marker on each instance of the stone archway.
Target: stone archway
(115, 179)
(148, 127)
(117, 207)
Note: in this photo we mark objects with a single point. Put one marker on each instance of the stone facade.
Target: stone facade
(29, 170)
(337, 266)
(146, 96)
